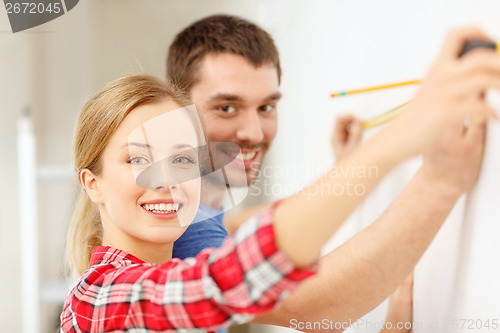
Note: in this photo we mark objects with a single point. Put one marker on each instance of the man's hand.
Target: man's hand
(347, 134)
(456, 161)
(400, 313)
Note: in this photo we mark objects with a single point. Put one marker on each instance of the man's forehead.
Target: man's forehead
(232, 77)
(225, 60)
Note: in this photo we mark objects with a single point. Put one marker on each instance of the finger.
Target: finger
(484, 110)
(476, 132)
(339, 136)
(340, 132)
(352, 121)
(457, 38)
(345, 120)
(355, 132)
(408, 282)
(478, 115)
(341, 123)
(480, 60)
(476, 86)
(473, 110)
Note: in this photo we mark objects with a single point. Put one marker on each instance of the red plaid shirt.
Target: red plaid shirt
(218, 288)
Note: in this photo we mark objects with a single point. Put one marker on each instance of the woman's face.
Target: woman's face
(160, 209)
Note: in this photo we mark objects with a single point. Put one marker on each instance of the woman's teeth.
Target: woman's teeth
(162, 208)
(244, 157)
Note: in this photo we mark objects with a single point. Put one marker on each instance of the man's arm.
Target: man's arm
(360, 274)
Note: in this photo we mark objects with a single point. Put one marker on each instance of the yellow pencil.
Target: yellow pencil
(383, 118)
(385, 86)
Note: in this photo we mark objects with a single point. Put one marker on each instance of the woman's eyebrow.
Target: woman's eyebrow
(138, 144)
(183, 145)
(149, 147)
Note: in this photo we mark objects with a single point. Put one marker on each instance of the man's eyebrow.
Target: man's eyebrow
(233, 97)
(274, 97)
(225, 97)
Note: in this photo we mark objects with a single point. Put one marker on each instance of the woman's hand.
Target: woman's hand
(452, 93)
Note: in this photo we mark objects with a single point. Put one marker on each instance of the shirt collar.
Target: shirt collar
(106, 254)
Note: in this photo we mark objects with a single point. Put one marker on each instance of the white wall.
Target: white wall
(338, 45)
(324, 45)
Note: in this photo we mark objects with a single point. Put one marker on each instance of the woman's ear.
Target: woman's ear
(91, 186)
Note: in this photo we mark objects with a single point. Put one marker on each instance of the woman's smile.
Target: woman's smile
(162, 209)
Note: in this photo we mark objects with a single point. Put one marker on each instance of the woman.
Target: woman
(127, 219)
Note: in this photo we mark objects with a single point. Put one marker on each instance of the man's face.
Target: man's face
(238, 103)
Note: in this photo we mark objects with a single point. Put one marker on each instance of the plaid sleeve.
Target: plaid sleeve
(248, 275)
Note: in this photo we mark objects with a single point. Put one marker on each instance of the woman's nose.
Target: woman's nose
(163, 187)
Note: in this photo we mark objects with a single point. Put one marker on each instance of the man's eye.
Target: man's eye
(138, 161)
(227, 108)
(266, 108)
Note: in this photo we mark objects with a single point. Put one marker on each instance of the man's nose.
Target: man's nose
(250, 128)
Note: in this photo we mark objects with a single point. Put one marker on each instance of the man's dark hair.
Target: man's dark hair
(218, 34)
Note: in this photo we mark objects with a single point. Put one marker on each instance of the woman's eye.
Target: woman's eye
(182, 160)
(266, 108)
(227, 108)
(138, 161)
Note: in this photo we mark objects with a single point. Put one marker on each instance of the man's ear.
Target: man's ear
(91, 186)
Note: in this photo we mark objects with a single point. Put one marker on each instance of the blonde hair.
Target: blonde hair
(99, 119)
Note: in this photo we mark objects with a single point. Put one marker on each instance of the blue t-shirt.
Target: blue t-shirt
(206, 230)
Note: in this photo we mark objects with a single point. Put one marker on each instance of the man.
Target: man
(230, 67)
